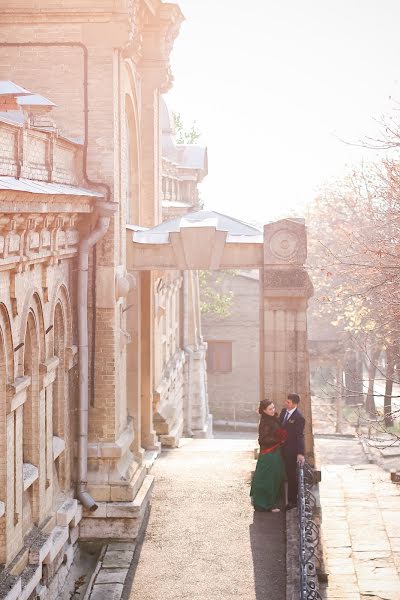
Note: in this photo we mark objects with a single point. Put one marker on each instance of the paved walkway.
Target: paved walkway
(203, 540)
(360, 524)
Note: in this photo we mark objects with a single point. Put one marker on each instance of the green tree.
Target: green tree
(184, 135)
(214, 300)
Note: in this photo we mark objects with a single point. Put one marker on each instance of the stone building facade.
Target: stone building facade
(94, 366)
(233, 354)
(180, 391)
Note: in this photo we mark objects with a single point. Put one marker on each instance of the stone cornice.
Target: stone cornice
(157, 38)
(32, 238)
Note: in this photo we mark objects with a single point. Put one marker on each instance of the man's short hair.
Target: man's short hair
(295, 398)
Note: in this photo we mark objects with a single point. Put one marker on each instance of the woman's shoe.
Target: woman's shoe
(275, 510)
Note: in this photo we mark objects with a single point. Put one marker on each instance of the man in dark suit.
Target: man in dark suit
(293, 449)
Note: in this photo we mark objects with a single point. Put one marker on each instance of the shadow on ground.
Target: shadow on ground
(267, 539)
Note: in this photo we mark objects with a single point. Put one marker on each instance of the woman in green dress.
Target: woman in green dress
(266, 487)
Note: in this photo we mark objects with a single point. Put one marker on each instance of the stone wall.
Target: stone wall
(115, 55)
(38, 378)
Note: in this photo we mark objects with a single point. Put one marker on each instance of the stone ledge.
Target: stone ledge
(47, 370)
(77, 517)
(16, 392)
(30, 577)
(30, 474)
(10, 586)
(58, 446)
(41, 592)
(66, 512)
(39, 545)
(71, 355)
(59, 536)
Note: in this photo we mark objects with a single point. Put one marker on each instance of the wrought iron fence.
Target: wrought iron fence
(308, 535)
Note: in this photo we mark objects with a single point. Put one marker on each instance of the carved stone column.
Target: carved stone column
(286, 290)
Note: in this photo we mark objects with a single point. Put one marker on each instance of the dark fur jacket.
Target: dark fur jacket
(268, 431)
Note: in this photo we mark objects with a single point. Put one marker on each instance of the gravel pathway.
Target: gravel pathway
(203, 540)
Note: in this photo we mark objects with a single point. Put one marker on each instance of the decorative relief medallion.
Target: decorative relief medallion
(284, 244)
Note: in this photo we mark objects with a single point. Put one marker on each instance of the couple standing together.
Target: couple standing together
(281, 442)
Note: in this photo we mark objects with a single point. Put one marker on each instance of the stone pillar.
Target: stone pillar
(134, 365)
(286, 290)
(198, 420)
(149, 438)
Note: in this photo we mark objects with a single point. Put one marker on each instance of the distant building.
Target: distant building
(233, 346)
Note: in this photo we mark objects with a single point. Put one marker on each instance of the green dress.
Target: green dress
(267, 485)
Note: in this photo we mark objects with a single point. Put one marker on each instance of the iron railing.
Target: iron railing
(308, 535)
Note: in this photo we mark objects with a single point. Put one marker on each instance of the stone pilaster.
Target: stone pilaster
(200, 415)
(149, 438)
(286, 290)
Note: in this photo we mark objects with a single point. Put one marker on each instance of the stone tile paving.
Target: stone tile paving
(109, 576)
(360, 524)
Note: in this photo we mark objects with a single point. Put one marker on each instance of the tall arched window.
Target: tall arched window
(60, 417)
(30, 427)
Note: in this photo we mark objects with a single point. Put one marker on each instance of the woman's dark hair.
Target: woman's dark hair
(263, 405)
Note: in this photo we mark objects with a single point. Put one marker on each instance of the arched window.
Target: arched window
(60, 416)
(30, 427)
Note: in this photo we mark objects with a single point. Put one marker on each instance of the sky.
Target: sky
(275, 86)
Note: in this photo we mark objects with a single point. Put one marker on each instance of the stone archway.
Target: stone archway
(209, 240)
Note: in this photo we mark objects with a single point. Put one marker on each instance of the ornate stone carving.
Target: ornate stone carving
(279, 278)
(285, 243)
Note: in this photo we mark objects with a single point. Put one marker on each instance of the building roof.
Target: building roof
(43, 187)
(12, 117)
(191, 156)
(9, 88)
(34, 100)
(238, 231)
